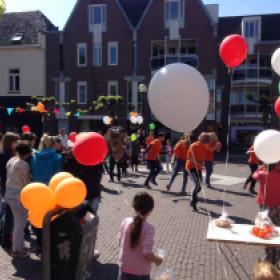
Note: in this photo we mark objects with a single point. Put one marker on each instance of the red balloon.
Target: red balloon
(90, 149)
(72, 136)
(233, 50)
(277, 107)
(25, 129)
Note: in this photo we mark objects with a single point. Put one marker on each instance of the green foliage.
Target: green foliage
(107, 102)
(2, 7)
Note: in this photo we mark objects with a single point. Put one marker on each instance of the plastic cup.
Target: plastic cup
(161, 253)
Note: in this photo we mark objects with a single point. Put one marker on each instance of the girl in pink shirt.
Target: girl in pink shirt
(136, 240)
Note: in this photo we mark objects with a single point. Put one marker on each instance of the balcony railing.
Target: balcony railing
(160, 61)
(252, 74)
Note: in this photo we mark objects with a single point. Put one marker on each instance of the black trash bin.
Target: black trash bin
(68, 244)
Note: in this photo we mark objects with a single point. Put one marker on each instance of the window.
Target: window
(82, 54)
(17, 38)
(113, 54)
(14, 80)
(97, 55)
(174, 10)
(113, 88)
(82, 92)
(97, 15)
(251, 27)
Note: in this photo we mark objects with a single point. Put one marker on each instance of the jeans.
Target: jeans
(209, 170)
(112, 167)
(196, 176)
(126, 276)
(94, 203)
(180, 165)
(250, 179)
(155, 168)
(12, 198)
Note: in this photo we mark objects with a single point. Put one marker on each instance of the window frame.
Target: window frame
(181, 5)
(100, 58)
(79, 84)
(13, 76)
(79, 46)
(247, 24)
(113, 44)
(104, 16)
(113, 83)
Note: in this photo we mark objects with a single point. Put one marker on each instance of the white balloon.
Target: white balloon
(107, 120)
(267, 146)
(140, 119)
(179, 97)
(275, 61)
(142, 88)
(133, 120)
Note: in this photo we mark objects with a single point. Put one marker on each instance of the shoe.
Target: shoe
(96, 255)
(155, 183)
(147, 186)
(209, 186)
(30, 250)
(245, 186)
(194, 208)
(20, 254)
(253, 192)
(183, 193)
(168, 187)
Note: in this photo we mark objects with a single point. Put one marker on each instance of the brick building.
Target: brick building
(112, 46)
(109, 47)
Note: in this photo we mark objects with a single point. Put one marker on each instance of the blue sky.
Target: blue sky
(58, 10)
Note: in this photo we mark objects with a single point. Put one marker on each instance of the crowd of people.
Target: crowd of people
(21, 163)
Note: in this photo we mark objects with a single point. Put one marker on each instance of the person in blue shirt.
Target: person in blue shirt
(46, 162)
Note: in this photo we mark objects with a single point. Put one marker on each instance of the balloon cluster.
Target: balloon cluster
(64, 191)
(136, 119)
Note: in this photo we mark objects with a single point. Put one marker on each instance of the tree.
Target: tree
(265, 103)
(2, 7)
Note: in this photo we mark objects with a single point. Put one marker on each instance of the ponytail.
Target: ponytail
(136, 229)
(143, 204)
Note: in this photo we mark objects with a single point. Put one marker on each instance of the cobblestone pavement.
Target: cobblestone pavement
(179, 231)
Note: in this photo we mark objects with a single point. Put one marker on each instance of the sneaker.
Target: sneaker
(155, 183)
(209, 186)
(168, 187)
(20, 254)
(253, 192)
(193, 206)
(147, 186)
(245, 186)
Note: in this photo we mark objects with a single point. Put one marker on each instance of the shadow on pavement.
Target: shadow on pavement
(109, 191)
(241, 220)
(132, 185)
(106, 271)
(232, 192)
(217, 202)
(27, 268)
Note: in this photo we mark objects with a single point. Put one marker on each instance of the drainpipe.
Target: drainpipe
(135, 71)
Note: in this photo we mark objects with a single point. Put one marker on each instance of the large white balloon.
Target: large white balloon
(179, 97)
(267, 146)
(275, 61)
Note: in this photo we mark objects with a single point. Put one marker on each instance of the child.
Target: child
(269, 198)
(266, 271)
(136, 239)
(168, 156)
(253, 163)
(18, 176)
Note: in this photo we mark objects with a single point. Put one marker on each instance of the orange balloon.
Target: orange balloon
(37, 197)
(36, 218)
(70, 193)
(59, 177)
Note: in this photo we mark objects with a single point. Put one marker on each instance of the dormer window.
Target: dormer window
(17, 38)
(97, 15)
(174, 10)
(251, 28)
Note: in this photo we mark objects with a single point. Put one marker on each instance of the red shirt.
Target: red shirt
(196, 156)
(155, 149)
(253, 159)
(149, 140)
(181, 150)
(269, 191)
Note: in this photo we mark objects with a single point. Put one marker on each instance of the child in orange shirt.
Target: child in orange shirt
(253, 163)
(196, 158)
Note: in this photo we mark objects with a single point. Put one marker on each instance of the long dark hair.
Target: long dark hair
(143, 204)
(8, 139)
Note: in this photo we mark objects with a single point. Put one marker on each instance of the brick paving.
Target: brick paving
(179, 231)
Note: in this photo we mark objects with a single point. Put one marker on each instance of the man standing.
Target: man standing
(180, 157)
(196, 159)
(153, 159)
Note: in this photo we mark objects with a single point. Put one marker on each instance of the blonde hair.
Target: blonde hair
(214, 136)
(266, 271)
(204, 138)
(45, 142)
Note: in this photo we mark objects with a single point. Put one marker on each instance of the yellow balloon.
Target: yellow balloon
(37, 197)
(70, 193)
(59, 177)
